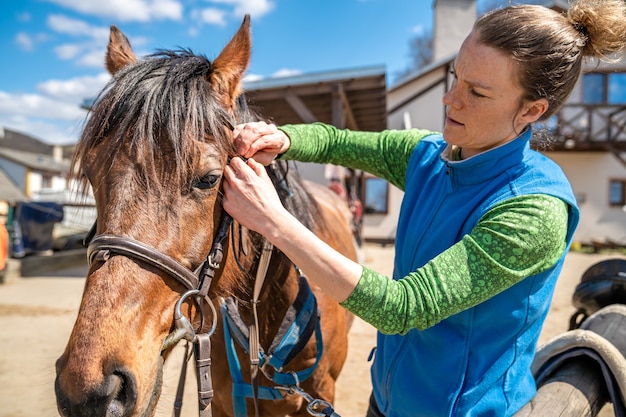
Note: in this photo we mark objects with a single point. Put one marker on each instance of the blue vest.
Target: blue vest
(477, 362)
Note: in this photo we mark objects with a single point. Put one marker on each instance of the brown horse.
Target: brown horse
(153, 152)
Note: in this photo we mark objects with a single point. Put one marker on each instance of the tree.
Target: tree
(421, 53)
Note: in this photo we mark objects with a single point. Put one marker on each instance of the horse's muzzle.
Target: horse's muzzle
(116, 396)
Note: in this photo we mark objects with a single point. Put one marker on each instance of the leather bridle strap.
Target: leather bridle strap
(102, 247)
(254, 342)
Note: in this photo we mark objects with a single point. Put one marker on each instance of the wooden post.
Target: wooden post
(576, 389)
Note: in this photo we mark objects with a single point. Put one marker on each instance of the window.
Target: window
(593, 88)
(617, 88)
(46, 181)
(602, 88)
(617, 192)
(376, 195)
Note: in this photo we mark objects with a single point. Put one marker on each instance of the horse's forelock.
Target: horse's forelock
(162, 102)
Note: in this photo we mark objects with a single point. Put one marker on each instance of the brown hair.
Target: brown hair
(550, 46)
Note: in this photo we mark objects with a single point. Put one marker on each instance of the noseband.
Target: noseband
(102, 247)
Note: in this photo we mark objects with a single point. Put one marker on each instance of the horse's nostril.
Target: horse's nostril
(115, 397)
(125, 398)
(120, 394)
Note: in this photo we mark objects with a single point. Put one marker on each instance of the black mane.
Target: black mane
(165, 102)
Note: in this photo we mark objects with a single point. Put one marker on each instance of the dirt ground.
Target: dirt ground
(37, 314)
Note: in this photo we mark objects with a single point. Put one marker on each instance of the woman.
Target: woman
(485, 222)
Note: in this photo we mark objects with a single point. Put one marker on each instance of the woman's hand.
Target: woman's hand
(260, 141)
(250, 197)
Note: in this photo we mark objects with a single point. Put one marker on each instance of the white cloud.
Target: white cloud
(28, 42)
(23, 108)
(34, 105)
(24, 17)
(67, 51)
(24, 41)
(286, 72)
(418, 29)
(250, 78)
(89, 52)
(74, 90)
(213, 16)
(127, 10)
(93, 58)
(77, 28)
(53, 114)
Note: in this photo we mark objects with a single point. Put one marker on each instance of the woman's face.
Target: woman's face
(483, 106)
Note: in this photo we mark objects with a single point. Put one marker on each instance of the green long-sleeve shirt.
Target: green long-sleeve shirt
(518, 237)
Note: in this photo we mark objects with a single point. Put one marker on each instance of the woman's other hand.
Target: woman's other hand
(250, 197)
(261, 141)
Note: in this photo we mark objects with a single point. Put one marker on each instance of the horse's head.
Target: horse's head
(153, 152)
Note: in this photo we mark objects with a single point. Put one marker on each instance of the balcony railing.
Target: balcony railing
(588, 127)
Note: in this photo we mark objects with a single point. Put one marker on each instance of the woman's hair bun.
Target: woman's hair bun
(601, 24)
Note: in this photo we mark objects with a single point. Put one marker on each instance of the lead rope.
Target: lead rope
(254, 345)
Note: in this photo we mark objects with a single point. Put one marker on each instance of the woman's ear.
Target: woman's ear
(532, 111)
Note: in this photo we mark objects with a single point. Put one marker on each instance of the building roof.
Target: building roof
(36, 161)
(11, 139)
(9, 192)
(350, 98)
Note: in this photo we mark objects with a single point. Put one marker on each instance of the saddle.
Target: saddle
(597, 331)
(601, 285)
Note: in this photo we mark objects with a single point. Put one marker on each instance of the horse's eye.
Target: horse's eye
(206, 181)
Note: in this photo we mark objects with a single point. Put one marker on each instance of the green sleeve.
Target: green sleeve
(515, 239)
(385, 154)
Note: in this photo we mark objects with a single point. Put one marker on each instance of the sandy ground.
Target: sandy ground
(37, 314)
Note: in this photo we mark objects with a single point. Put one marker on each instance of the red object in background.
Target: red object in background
(338, 188)
(4, 246)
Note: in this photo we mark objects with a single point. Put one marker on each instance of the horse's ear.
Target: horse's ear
(231, 64)
(119, 52)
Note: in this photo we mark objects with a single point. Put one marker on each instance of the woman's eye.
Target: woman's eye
(474, 93)
(206, 182)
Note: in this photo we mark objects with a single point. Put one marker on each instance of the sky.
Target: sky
(53, 50)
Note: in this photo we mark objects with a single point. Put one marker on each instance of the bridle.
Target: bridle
(102, 247)
(197, 284)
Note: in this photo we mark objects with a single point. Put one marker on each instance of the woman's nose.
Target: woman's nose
(450, 98)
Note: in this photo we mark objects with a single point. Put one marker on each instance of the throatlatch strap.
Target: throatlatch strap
(255, 345)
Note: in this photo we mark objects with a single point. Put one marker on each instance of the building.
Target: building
(587, 136)
(28, 167)
(353, 99)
